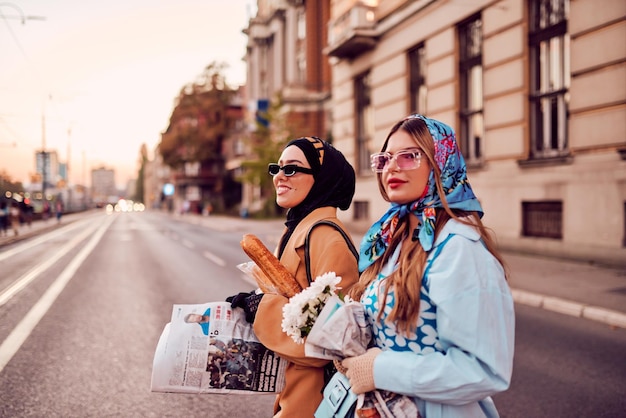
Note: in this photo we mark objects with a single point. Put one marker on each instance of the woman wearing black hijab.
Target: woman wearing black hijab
(312, 179)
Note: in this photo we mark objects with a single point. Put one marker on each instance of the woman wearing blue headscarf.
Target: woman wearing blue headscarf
(432, 283)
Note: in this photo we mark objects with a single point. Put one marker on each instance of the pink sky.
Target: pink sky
(105, 75)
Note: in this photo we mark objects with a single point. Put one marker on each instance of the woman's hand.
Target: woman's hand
(248, 301)
(360, 370)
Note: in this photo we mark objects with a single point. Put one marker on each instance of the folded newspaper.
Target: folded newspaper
(339, 331)
(210, 348)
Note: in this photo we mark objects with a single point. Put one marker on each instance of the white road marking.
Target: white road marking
(220, 262)
(43, 238)
(20, 333)
(27, 278)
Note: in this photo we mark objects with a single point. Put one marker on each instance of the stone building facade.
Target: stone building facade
(285, 61)
(535, 89)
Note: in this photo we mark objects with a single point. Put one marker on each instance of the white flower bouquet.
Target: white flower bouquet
(333, 327)
(300, 314)
(330, 325)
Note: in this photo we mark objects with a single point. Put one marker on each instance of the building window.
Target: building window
(239, 147)
(549, 78)
(364, 123)
(542, 219)
(417, 81)
(271, 65)
(624, 236)
(263, 69)
(471, 89)
(361, 210)
(301, 47)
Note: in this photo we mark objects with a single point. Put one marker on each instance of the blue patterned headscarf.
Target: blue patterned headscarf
(459, 195)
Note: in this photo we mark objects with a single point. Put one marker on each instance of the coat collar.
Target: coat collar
(454, 227)
(299, 234)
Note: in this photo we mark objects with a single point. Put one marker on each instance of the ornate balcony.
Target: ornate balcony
(353, 33)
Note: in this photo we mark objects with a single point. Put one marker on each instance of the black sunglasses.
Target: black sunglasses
(288, 169)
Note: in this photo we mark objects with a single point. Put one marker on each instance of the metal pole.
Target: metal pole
(67, 170)
(43, 157)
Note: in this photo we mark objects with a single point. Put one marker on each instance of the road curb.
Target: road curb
(28, 233)
(566, 307)
(541, 301)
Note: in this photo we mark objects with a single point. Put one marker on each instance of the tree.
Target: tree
(266, 144)
(192, 145)
(7, 185)
(139, 188)
(199, 121)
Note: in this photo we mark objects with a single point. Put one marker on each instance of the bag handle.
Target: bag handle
(307, 257)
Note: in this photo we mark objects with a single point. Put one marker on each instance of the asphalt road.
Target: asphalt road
(82, 307)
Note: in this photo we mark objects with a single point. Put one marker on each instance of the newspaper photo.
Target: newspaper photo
(210, 348)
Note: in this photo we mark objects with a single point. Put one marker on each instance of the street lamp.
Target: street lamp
(21, 16)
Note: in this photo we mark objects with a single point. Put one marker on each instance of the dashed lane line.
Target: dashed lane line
(217, 260)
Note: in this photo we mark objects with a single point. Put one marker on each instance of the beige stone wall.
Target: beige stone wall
(592, 186)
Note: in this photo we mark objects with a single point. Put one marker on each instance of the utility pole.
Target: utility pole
(23, 18)
(84, 181)
(67, 169)
(43, 157)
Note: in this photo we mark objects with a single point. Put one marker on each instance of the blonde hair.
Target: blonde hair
(407, 278)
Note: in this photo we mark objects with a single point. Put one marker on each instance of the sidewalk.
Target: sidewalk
(573, 288)
(35, 228)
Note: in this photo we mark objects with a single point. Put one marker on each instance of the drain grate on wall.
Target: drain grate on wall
(542, 219)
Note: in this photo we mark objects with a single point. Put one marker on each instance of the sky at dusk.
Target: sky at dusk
(104, 75)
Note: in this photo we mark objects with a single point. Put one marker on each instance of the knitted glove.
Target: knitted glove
(339, 367)
(248, 301)
(361, 370)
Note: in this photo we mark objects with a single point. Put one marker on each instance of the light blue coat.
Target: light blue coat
(475, 329)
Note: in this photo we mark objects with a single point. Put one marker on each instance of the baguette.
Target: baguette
(276, 274)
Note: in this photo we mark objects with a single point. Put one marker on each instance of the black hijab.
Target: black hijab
(334, 184)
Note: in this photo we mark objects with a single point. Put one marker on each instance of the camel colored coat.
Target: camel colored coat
(304, 377)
